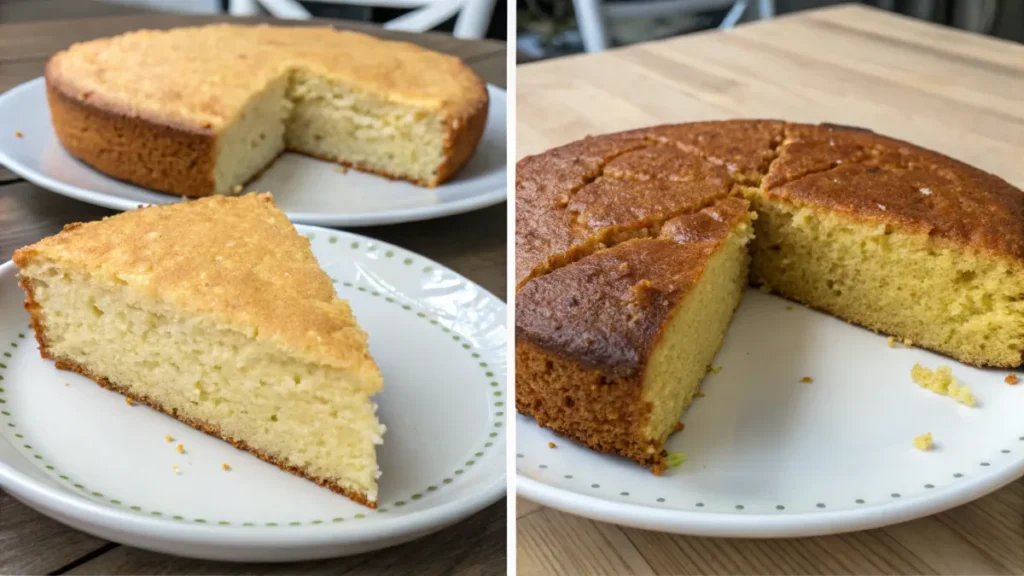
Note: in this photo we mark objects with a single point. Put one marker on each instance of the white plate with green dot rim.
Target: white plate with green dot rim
(310, 191)
(768, 455)
(80, 454)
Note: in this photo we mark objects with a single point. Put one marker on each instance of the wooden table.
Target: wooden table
(958, 93)
(473, 244)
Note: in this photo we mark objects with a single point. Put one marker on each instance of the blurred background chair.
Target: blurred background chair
(472, 17)
(591, 15)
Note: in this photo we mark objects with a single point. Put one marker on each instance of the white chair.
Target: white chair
(474, 16)
(591, 15)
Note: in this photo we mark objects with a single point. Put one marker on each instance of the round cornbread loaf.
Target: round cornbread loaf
(877, 231)
(152, 107)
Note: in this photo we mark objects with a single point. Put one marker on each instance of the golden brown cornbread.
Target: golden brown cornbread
(877, 231)
(586, 333)
(151, 107)
(216, 313)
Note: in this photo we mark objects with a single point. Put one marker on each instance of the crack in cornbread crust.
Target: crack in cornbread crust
(195, 118)
(39, 328)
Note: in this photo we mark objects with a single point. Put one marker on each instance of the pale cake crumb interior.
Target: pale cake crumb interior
(693, 335)
(944, 299)
(314, 417)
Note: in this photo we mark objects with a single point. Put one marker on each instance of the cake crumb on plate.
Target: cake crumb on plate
(18, 134)
(806, 380)
(923, 442)
(169, 438)
(226, 467)
(181, 448)
(128, 401)
(941, 381)
(1011, 379)
(892, 341)
(552, 445)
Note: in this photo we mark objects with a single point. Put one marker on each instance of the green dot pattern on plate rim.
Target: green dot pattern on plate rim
(370, 247)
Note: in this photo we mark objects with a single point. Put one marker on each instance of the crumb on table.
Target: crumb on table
(176, 469)
(237, 189)
(941, 381)
(128, 401)
(806, 380)
(226, 467)
(552, 445)
(18, 134)
(923, 442)
(891, 341)
(1011, 379)
(181, 448)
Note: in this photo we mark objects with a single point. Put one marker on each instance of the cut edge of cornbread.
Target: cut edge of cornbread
(632, 415)
(944, 298)
(313, 418)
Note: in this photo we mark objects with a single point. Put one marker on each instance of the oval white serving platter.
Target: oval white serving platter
(80, 454)
(310, 191)
(771, 456)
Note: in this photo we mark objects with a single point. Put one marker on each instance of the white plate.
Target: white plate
(770, 456)
(80, 454)
(310, 191)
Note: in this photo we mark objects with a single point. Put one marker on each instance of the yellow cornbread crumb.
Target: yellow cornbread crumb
(18, 134)
(129, 402)
(892, 341)
(1011, 379)
(226, 467)
(806, 380)
(714, 369)
(237, 189)
(941, 381)
(169, 438)
(176, 469)
(181, 448)
(923, 442)
(552, 445)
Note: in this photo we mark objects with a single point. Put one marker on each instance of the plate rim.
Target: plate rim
(492, 198)
(392, 529)
(713, 523)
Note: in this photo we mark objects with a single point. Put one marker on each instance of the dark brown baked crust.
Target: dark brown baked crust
(161, 157)
(585, 332)
(39, 328)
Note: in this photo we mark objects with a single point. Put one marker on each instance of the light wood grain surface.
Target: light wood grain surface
(472, 244)
(958, 93)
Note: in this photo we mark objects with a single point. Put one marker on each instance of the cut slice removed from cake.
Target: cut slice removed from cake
(216, 313)
(612, 348)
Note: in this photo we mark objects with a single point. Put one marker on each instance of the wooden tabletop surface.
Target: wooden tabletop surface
(951, 91)
(472, 244)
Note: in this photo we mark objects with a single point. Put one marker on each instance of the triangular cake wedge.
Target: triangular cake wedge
(216, 313)
(612, 348)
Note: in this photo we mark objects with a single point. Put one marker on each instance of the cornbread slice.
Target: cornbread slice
(612, 348)
(203, 110)
(216, 313)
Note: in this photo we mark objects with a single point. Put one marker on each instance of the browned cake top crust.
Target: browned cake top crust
(237, 259)
(198, 79)
(601, 190)
(607, 309)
